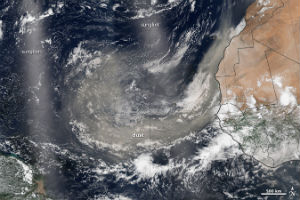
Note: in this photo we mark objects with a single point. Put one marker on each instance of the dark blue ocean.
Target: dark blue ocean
(136, 33)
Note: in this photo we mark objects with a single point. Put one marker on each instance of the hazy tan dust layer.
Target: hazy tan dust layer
(261, 64)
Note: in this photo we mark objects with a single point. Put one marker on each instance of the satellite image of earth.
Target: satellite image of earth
(149, 99)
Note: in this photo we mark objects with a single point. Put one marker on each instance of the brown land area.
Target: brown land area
(40, 187)
(263, 61)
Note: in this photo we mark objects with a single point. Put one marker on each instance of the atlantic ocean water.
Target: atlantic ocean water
(117, 99)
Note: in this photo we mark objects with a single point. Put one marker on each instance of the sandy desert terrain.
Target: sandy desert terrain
(261, 65)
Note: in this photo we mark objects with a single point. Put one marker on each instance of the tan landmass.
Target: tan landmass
(261, 66)
(40, 187)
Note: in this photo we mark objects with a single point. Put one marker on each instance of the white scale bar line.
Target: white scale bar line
(273, 194)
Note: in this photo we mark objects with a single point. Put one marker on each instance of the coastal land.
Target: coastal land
(259, 79)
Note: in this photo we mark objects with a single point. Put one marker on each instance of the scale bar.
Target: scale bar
(273, 194)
